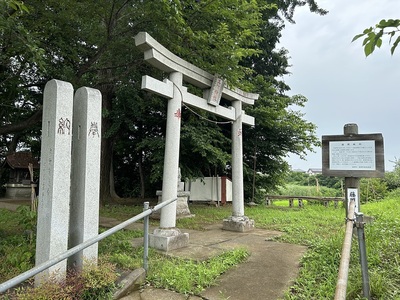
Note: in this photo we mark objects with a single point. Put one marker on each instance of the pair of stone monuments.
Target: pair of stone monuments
(68, 212)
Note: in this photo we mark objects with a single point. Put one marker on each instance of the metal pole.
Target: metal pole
(341, 285)
(363, 254)
(146, 238)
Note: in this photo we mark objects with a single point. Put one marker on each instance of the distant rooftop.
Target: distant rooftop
(314, 171)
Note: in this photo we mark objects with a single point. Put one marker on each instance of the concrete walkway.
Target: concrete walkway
(265, 275)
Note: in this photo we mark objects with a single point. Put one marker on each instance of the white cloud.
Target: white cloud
(341, 84)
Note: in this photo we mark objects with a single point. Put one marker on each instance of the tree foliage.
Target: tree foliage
(305, 179)
(373, 35)
(372, 190)
(49, 39)
(392, 179)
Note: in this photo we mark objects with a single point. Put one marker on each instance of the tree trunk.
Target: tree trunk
(12, 145)
(107, 143)
(112, 181)
(142, 183)
(106, 154)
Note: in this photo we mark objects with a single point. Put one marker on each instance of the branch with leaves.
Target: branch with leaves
(373, 35)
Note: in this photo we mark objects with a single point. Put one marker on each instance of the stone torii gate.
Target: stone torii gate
(168, 237)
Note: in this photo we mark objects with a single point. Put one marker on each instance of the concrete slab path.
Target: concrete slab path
(267, 273)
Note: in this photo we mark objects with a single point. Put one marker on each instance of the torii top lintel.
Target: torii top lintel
(160, 57)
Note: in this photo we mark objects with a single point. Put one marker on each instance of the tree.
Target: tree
(372, 189)
(373, 35)
(235, 39)
(20, 57)
(392, 179)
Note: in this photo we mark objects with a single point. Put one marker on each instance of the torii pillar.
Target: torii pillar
(238, 221)
(168, 237)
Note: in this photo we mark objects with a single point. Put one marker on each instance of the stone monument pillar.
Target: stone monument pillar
(85, 174)
(55, 170)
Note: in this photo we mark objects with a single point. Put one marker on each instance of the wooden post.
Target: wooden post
(300, 203)
(33, 191)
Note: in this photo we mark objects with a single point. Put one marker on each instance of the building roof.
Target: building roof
(315, 170)
(21, 160)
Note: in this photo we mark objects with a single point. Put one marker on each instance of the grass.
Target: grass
(318, 274)
(189, 276)
(318, 227)
(16, 252)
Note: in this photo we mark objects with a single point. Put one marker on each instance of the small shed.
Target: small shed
(218, 189)
(19, 183)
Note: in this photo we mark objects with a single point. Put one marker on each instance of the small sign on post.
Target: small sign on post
(352, 195)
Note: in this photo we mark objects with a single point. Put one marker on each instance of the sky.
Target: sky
(342, 85)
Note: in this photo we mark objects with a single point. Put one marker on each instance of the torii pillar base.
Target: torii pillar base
(166, 239)
(182, 207)
(238, 224)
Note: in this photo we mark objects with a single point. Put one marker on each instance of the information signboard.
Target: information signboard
(358, 155)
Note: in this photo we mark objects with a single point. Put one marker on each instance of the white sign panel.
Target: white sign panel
(352, 195)
(352, 155)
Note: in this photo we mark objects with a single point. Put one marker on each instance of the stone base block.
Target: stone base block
(130, 282)
(239, 224)
(182, 207)
(168, 239)
(18, 190)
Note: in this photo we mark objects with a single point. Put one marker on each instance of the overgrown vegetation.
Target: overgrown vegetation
(189, 276)
(93, 282)
(16, 250)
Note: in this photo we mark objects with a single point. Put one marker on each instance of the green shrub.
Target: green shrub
(392, 178)
(16, 250)
(93, 282)
(314, 191)
(394, 194)
(372, 189)
(28, 220)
